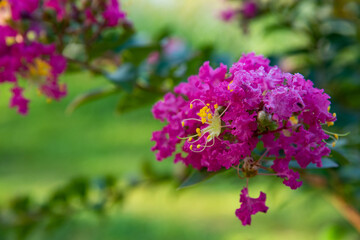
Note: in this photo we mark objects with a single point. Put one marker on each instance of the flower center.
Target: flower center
(39, 70)
(211, 131)
(5, 12)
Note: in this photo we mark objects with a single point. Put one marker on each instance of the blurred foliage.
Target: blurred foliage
(23, 214)
(140, 70)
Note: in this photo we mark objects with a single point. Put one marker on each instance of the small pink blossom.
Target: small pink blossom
(250, 206)
(18, 101)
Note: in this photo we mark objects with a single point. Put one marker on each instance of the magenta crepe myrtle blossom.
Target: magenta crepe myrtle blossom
(43, 69)
(37, 63)
(250, 206)
(22, 8)
(112, 14)
(18, 101)
(228, 14)
(249, 9)
(219, 116)
(59, 6)
(22, 55)
(109, 11)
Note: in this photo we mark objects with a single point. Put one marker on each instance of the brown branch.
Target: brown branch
(86, 65)
(349, 212)
(338, 201)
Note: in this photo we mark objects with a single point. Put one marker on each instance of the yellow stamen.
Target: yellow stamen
(203, 120)
(294, 120)
(31, 35)
(334, 114)
(209, 116)
(208, 137)
(229, 85)
(198, 146)
(10, 41)
(208, 104)
(4, 3)
(191, 106)
(328, 108)
(203, 114)
(231, 90)
(183, 124)
(40, 68)
(336, 136)
(191, 147)
(330, 124)
(190, 139)
(216, 106)
(333, 144)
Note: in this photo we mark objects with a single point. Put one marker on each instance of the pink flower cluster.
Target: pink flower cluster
(248, 10)
(38, 63)
(24, 25)
(219, 117)
(106, 13)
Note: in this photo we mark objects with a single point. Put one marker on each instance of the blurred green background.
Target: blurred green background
(47, 148)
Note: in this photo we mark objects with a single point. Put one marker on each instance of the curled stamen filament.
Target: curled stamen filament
(338, 134)
(191, 103)
(213, 119)
(204, 146)
(334, 137)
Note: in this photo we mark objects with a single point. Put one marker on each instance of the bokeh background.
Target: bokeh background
(42, 152)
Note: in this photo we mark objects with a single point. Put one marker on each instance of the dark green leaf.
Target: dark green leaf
(339, 157)
(138, 98)
(198, 177)
(137, 55)
(91, 96)
(326, 163)
(109, 41)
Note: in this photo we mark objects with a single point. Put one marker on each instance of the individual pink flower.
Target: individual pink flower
(228, 14)
(18, 101)
(22, 8)
(281, 167)
(59, 6)
(249, 9)
(250, 206)
(113, 14)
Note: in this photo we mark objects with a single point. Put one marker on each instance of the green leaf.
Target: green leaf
(136, 99)
(197, 177)
(125, 76)
(110, 40)
(136, 55)
(339, 157)
(91, 96)
(326, 163)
